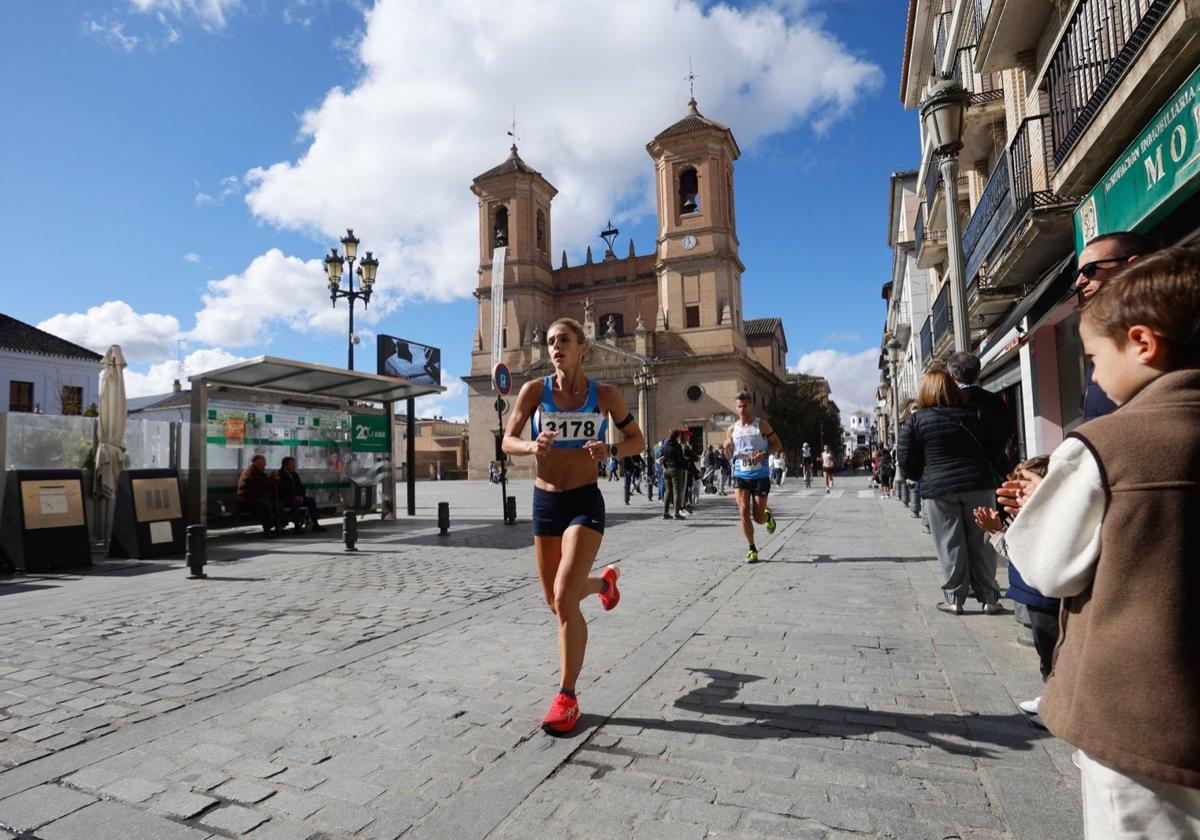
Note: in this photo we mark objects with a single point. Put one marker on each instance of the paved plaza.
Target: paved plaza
(305, 692)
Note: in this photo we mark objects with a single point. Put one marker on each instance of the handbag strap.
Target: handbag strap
(986, 458)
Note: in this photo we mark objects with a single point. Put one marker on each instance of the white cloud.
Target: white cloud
(242, 310)
(853, 377)
(210, 14)
(113, 33)
(842, 338)
(438, 405)
(230, 185)
(159, 378)
(592, 80)
(143, 337)
(192, 257)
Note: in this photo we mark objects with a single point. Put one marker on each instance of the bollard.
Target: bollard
(444, 518)
(350, 529)
(197, 551)
(510, 510)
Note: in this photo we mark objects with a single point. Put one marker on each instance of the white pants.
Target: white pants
(1123, 806)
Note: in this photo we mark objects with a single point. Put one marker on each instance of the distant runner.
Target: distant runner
(570, 415)
(827, 464)
(748, 444)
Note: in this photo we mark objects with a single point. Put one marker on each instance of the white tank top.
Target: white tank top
(748, 439)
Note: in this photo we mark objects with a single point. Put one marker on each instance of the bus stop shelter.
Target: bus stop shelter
(289, 378)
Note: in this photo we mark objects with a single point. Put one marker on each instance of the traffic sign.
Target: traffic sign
(501, 405)
(502, 378)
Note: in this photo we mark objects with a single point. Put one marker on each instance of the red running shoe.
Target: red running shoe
(563, 714)
(612, 597)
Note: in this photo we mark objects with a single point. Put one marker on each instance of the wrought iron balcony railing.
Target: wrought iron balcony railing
(1019, 185)
(941, 39)
(933, 181)
(941, 314)
(927, 341)
(1100, 42)
(983, 87)
(919, 227)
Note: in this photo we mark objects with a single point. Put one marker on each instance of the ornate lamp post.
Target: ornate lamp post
(942, 116)
(646, 380)
(334, 263)
(893, 351)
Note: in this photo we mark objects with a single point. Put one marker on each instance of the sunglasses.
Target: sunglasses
(1089, 270)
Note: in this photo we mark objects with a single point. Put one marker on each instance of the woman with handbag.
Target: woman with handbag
(944, 445)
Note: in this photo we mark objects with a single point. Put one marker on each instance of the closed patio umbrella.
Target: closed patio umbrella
(111, 434)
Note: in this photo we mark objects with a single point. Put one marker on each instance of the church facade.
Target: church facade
(676, 313)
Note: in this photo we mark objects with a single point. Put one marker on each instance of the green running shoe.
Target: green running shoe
(770, 521)
(751, 556)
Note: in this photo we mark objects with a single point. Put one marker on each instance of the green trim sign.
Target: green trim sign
(1159, 170)
(368, 433)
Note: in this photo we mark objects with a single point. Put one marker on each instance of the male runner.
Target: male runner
(806, 461)
(748, 444)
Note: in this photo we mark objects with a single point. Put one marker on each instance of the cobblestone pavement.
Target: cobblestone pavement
(305, 692)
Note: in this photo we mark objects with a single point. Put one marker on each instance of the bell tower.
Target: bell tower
(514, 212)
(699, 272)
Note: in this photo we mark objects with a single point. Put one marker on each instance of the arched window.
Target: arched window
(500, 227)
(540, 228)
(689, 191)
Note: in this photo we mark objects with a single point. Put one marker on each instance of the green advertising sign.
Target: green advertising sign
(368, 433)
(1159, 170)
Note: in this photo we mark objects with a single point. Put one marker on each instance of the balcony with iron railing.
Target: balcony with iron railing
(941, 318)
(941, 40)
(1018, 208)
(1100, 42)
(927, 342)
(930, 244)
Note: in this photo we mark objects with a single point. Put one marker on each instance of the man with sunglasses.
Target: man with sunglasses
(1101, 258)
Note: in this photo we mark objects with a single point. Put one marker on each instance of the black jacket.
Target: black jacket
(290, 486)
(672, 455)
(946, 449)
(994, 409)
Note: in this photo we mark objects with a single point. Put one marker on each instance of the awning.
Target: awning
(287, 376)
(1051, 289)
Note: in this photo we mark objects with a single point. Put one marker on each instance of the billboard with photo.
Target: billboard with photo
(415, 362)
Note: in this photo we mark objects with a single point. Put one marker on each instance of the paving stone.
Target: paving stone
(181, 804)
(132, 790)
(342, 817)
(239, 790)
(234, 818)
(116, 820)
(37, 806)
(92, 778)
(279, 830)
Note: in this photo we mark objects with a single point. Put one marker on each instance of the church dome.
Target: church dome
(512, 164)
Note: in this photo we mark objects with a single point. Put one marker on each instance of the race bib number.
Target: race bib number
(571, 426)
(747, 461)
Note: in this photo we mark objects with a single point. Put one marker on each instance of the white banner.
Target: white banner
(497, 304)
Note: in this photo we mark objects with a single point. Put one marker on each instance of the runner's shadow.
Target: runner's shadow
(946, 732)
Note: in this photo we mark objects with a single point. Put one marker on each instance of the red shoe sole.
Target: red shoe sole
(612, 597)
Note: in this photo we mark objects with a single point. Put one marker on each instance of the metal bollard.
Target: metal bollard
(510, 510)
(444, 518)
(197, 551)
(350, 529)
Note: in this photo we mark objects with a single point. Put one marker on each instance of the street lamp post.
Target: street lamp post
(893, 349)
(367, 268)
(646, 380)
(942, 115)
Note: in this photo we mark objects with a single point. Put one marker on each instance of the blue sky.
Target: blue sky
(175, 168)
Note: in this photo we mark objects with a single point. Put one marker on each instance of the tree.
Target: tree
(800, 413)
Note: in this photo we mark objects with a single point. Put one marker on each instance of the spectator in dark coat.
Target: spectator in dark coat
(256, 494)
(945, 445)
(293, 498)
(964, 367)
(1100, 259)
(674, 464)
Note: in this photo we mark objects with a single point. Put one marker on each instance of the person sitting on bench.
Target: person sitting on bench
(256, 495)
(293, 498)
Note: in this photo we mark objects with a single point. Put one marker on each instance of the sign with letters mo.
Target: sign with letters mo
(368, 433)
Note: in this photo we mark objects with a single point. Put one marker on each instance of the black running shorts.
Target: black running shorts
(756, 486)
(554, 513)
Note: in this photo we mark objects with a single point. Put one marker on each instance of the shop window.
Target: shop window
(691, 317)
(689, 191)
(72, 399)
(20, 396)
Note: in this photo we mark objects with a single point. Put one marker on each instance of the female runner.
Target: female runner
(570, 417)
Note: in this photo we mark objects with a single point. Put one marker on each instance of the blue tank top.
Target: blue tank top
(748, 439)
(573, 428)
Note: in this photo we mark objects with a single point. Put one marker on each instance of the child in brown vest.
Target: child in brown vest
(1114, 529)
